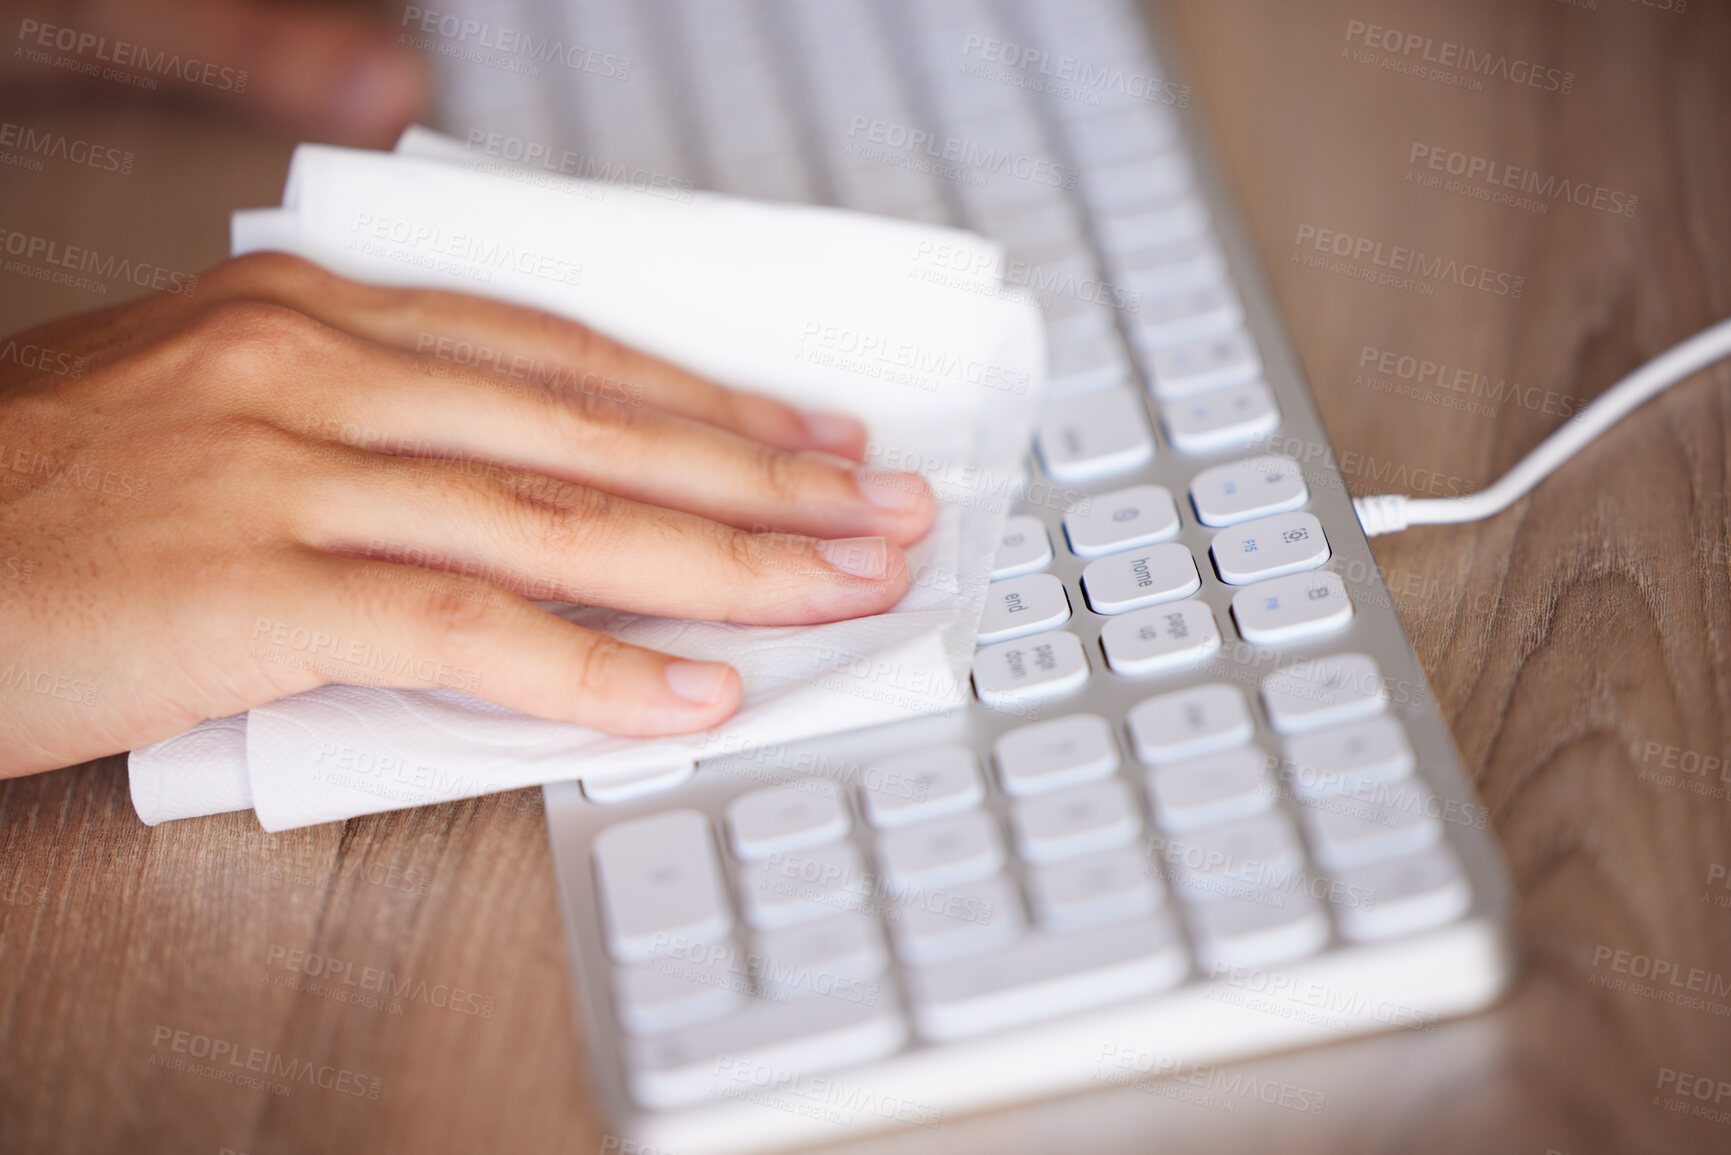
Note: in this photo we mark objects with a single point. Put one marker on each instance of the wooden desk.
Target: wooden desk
(1580, 645)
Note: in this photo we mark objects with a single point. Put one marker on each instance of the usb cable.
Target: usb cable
(1393, 512)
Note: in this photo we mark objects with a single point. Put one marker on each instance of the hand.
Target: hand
(319, 71)
(207, 504)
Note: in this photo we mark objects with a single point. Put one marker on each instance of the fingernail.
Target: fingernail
(699, 682)
(863, 557)
(833, 429)
(897, 492)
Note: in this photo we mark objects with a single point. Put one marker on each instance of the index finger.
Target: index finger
(530, 343)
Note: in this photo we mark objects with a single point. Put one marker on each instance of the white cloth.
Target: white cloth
(822, 307)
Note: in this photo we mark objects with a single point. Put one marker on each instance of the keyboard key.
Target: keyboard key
(1185, 263)
(1303, 605)
(1016, 607)
(659, 879)
(810, 1036)
(1101, 888)
(1192, 315)
(1198, 366)
(1056, 754)
(1134, 130)
(1143, 577)
(1221, 418)
(1032, 669)
(1407, 895)
(1035, 225)
(1212, 789)
(922, 785)
(1347, 832)
(1190, 722)
(1324, 692)
(1269, 547)
(1085, 820)
(1026, 547)
(836, 958)
(671, 992)
(1129, 182)
(1348, 757)
(963, 920)
(1151, 221)
(1258, 929)
(783, 818)
(1083, 439)
(1252, 854)
(959, 848)
(1083, 366)
(1046, 976)
(804, 886)
(1122, 519)
(1160, 639)
(1228, 494)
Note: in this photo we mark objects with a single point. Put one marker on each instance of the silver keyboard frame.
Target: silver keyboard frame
(1451, 970)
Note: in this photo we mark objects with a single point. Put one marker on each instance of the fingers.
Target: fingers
(320, 71)
(528, 345)
(376, 623)
(556, 541)
(324, 384)
(641, 454)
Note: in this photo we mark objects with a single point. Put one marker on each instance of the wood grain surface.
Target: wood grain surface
(1580, 646)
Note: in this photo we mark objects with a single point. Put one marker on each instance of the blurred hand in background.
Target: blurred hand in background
(327, 70)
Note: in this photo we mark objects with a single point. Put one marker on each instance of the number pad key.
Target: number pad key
(1159, 639)
(1101, 888)
(837, 958)
(1257, 487)
(1221, 418)
(1349, 832)
(972, 918)
(925, 784)
(1198, 366)
(1123, 519)
(1137, 578)
(1286, 609)
(1324, 692)
(1411, 894)
(1260, 853)
(1212, 789)
(658, 877)
(1190, 722)
(1031, 669)
(960, 848)
(1090, 818)
(1023, 605)
(1026, 547)
(1192, 315)
(672, 992)
(1056, 754)
(783, 818)
(1348, 757)
(789, 889)
(1083, 439)
(1258, 929)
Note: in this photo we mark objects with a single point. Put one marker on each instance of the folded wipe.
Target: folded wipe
(821, 307)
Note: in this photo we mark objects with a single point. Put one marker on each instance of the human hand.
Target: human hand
(333, 73)
(192, 489)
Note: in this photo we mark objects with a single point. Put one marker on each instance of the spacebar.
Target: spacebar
(1046, 975)
(725, 1056)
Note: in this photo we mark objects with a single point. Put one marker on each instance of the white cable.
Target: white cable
(1393, 512)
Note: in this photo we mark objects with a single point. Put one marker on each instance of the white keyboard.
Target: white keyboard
(1204, 806)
